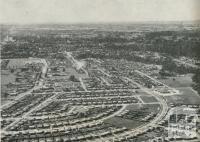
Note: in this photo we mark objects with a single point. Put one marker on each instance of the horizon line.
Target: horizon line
(104, 22)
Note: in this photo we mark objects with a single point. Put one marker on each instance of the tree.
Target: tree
(169, 65)
(73, 78)
(196, 77)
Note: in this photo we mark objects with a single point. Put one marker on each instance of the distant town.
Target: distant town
(100, 83)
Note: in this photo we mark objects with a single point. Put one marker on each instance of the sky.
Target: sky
(94, 11)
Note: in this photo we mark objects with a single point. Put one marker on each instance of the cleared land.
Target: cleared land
(22, 61)
(187, 96)
(12, 72)
(6, 78)
(181, 81)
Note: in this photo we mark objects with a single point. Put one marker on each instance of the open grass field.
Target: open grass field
(6, 78)
(187, 96)
(148, 99)
(18, 63)
(121, 122)
(151, 107)
(181, 81)
(136, 121)
(141, 92)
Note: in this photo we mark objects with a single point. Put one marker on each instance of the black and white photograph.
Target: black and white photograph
(100, 70)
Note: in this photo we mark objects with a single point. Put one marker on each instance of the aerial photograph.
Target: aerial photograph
(100, 70)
